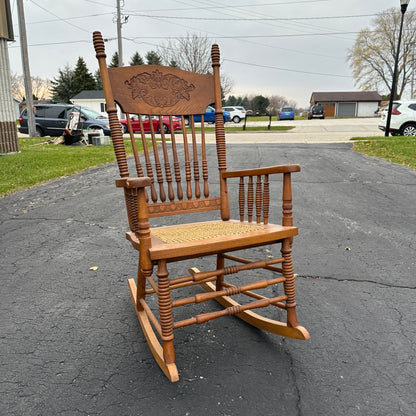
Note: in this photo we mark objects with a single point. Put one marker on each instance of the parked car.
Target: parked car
(286, 113)
(316, 111)
(176, 121)
(51, 119)
(236, 113)
(403, 118)
(209, 116)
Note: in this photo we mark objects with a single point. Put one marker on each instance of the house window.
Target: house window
(103, 107)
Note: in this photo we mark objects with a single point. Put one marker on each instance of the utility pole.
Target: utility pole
(120, 20)
(26, 71)
(9, 142)
(120, 44)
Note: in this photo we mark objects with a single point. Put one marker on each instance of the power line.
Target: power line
(254, 36)
(61, 43)
(287, 69)
(63, 19)
(252, 19)
(237, 6)
(59, 18)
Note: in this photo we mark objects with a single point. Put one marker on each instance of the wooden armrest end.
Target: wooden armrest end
(133, 182)
(261, 171)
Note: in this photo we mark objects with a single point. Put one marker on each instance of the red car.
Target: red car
(146, 124)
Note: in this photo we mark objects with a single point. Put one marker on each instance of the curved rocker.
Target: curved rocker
(266, 324)
(156, 348)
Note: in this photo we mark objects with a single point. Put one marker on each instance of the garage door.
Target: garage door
(329, 110)
(346, 109)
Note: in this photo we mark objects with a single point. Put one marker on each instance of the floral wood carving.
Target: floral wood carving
(159, 90)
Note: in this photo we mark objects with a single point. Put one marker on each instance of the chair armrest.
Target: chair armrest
(137, 213)
(131, 183)
(261, 171)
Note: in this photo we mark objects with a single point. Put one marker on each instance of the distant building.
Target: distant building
(16, 108)
(92, 99)
(348, 103)
(95, 100)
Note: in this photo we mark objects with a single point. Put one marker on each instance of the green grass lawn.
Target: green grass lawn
(396, 149)
(37, 163)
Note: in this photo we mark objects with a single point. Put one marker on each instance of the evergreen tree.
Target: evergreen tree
(136, 59)
(83, 79)
(114, 61)
(153, 58)
(245, 102)
(231, 100)
(173, 64)
(98, 79)
(63, 86)
(259, 104)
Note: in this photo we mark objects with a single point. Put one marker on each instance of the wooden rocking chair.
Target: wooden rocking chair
(174, 186)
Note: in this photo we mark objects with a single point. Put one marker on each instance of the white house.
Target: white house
(95, 100)
(16, 108)
(91, 99)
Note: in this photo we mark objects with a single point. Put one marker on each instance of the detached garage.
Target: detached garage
(348, 104)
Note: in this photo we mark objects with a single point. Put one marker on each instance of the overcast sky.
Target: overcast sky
(284, 47)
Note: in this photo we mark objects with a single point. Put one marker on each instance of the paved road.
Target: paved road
(71, 344)
(309, 131)
(305, 131)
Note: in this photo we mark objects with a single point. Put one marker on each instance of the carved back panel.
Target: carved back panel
(155, 100)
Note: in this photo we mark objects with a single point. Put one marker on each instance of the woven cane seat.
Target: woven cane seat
(203, 231)
(187, 240)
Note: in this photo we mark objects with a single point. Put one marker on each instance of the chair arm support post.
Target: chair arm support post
(287, 218)
(138, 216)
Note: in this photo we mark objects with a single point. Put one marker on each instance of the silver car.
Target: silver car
(236, 113)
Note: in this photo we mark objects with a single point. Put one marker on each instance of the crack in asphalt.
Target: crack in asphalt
(66, 220)
(356, 281)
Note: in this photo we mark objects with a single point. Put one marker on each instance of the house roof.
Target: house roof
(89, 94)
(346, 96)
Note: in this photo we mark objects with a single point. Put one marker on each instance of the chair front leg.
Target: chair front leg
(165, 312)
(289, 284)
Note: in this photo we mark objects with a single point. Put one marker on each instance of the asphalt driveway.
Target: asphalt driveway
(71, 343)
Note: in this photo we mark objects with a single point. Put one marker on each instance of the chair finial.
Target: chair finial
(99, 44)
(215, 54)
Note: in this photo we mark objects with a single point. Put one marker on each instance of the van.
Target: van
(51, 119)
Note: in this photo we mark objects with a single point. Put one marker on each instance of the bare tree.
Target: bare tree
(192, 53)
(277, 102)
(226, 85)
(40, 87)
(373, 55)
(18, 87)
